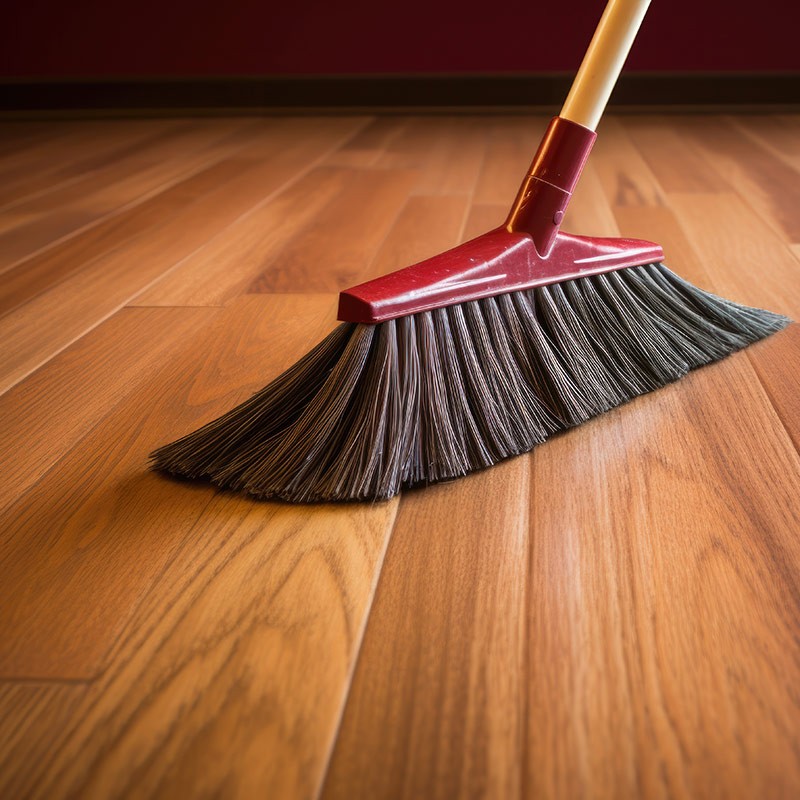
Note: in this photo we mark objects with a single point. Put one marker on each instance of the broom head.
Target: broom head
(463, 360)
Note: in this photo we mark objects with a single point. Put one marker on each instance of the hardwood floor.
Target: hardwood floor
(616, 615)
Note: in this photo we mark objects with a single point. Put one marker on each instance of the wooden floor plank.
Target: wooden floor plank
(276, 155)
(509, 148)
(338, 245)
(365, 147)
(108, 466)
(196, 594)
(626, 177)
(439, 679)
(68, 209)
(663, 599)
(34, 720)
(761, 179)
(17, 137)
(29, 147)
(646, 213)
(445, 698)
(41, 328)
(455, 158)
(483, 218)
(668, 150)
(234, 260)
(445, 152)
(79, 156)
(39, 274)
(412, 148)
(782, 385)
(10, 220)
(45, 415)
(354, 773)
(729, 269)
(745, 258)
(774, 132)
(747, 262)
(426, 226)
(770, 359)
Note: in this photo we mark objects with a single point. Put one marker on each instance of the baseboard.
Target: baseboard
(698, 91)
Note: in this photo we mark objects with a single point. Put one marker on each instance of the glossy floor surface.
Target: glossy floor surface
(616, 615)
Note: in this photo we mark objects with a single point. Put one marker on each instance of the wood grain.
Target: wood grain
(507, 155)
(413, 147)
(677, 164)
(735, 264)
(426, 226)
(35, 718)
(332, 251)
(247, 656)
(19, 137)
(365, 147)
(626, 177)
(774, 132)
(75, 504)
(661, 225)
(44, 326)
(71, 207)
(652, 217)
(453, 169)
(782, 385)
(761, 179)
(71, 158)
(235, 260)
(34, 150)
(207, 610)
(747, 260)
(46, 415)
(440, 676)
(42, 272)
(589, 210)
(615, 615)
(483, 218)
(663, 605)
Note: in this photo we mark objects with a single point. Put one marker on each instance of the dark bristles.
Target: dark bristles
(377, 408)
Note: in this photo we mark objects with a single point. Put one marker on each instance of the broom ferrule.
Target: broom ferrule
(545, 192)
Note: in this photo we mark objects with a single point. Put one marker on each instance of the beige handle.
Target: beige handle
(603, 61)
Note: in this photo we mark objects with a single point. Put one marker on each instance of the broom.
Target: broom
(484, 351)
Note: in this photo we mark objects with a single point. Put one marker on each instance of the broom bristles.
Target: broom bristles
(433, 396)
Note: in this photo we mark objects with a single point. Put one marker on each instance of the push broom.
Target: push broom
(480, 353)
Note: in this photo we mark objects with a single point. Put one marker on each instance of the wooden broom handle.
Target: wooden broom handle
(603, 61)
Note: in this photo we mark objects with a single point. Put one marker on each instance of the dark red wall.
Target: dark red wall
(47, 38)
